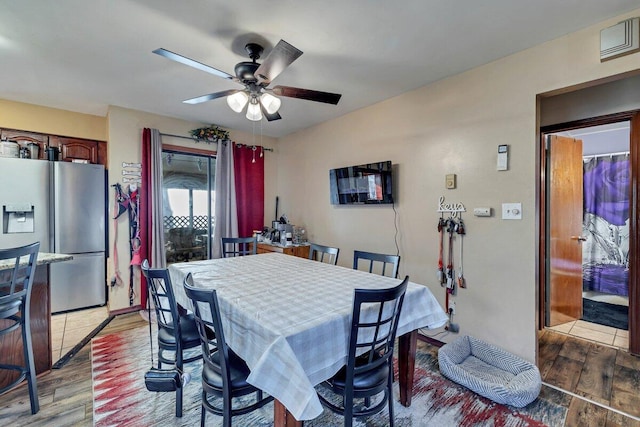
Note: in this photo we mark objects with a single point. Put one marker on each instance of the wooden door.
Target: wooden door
(565, 230)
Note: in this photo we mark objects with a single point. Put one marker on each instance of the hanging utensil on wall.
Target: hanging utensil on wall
(440, 272)
(450, 272)
(461, 232)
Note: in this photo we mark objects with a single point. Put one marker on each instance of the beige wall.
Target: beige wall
(125, 134)
(451, 126)
(35, 118)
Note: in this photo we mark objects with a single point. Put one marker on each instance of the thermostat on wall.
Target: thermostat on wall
(503, 157)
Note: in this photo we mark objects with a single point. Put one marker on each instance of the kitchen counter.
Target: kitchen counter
(43, 258)
(11, 344)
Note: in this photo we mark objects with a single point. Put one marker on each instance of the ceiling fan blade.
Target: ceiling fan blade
(308, 94)
(280, 58)
(209, 97)
(270, 117)
(195, 64)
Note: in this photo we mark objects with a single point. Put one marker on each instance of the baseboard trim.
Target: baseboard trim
(65, 359)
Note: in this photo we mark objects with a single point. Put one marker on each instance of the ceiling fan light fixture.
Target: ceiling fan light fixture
(270, 103)
(253, 111)
(237, 101)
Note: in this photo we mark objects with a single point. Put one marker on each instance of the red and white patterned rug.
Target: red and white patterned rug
(119, 361)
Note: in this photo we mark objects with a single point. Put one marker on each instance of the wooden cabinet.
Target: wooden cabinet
(70, 149)
(79, 149)
(25, 138)
(299, 251)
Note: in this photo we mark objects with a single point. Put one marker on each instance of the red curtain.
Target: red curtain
(249, 180)
(145, 211)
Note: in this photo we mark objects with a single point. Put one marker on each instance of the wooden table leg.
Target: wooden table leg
(282, 417)
(407, 344)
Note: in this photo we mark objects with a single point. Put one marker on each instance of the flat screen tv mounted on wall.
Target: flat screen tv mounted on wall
(368, 184)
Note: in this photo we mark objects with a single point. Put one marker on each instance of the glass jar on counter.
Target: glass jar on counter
(299, 236)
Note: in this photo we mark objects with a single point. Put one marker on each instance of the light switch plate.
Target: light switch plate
(512, 211)
(450, 181)
(482, 211)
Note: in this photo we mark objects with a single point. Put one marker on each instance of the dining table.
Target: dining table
(289, 318)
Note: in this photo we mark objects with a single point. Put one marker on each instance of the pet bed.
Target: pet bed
(490, 371)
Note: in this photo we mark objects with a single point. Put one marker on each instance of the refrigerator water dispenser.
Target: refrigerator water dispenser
(18, 218)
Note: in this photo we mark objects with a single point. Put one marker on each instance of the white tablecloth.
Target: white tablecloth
(290, 318)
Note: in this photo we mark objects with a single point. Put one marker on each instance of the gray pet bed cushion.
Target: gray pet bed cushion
(490, 371)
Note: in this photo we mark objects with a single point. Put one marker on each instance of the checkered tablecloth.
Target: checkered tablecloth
(290, 318)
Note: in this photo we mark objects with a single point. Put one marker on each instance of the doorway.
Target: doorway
(590, 301)
(188, 191)
(587, 245)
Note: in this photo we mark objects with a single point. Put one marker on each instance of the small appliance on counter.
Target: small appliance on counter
(9, 149)
(282, 233)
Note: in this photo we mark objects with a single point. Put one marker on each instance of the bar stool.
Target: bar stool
(15, 300)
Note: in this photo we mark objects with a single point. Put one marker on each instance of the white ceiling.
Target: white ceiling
(84, 55)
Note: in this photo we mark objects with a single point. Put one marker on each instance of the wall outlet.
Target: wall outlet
(482, 211)
(512, 211)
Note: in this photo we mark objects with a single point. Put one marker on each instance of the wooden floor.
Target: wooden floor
(65, 394)
(600, 373)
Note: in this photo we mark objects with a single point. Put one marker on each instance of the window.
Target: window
(188, 184)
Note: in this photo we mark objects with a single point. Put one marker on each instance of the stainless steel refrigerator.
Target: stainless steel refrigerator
(63, 206)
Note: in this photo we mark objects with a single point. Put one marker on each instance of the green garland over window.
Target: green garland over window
(211, 133)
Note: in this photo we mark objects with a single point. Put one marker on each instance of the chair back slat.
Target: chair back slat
(372, 261)
(16, 282)
(239, 246)
(161, 292)
(206, 300)
(320, 252)
(16, 285)
(374, 324)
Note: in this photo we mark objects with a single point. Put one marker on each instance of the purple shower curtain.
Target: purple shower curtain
(605, 253)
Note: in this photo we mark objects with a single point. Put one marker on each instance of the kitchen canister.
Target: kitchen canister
(9, 149)
(34, 150)
(52, 153)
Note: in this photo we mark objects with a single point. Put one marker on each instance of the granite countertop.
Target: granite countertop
(43, 258)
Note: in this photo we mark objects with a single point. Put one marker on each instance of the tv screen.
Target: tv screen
(362, 184)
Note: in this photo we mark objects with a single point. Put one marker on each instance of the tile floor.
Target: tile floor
(613, 337)
(68, 329)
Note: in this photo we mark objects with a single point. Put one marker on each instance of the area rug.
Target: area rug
(604, 313)
(120, 398)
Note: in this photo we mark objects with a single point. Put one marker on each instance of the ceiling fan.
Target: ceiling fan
(255, 77)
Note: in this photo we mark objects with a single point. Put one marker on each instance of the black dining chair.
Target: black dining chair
(177, 331)
(369, 368)
(224, 373)
(239, 246)
(392, 260)
(318, 252)
(15, 300)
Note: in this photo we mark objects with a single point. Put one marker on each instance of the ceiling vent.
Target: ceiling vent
(620, 39)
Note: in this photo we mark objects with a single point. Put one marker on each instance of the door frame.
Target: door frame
(211, 155)
(634, 215)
